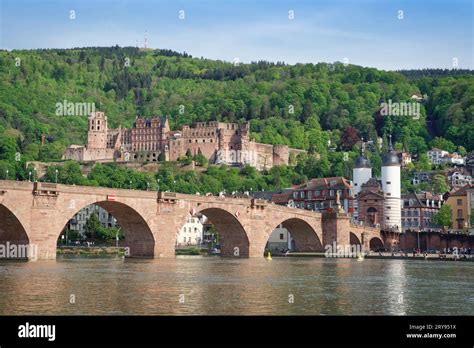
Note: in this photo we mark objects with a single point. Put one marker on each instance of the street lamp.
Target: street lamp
(130, 184)
(158, 184)
(174, 185)
(117, 237)
(147, 186)
(56, 172)
(6, 174)
(34, 174)
(29, 176)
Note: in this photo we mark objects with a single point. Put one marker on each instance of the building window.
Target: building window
(388, 182)
(302, 194)
(459, 201)
(310, 194)
(281, 236)
(459, 213)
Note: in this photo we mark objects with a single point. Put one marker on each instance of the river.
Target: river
(220, 286)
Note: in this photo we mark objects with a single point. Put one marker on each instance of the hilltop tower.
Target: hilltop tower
(97, 134)
(391, 188)
(361, 173)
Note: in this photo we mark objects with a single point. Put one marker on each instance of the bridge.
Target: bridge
(36, 213)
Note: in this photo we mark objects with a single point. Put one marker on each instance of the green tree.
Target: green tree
(443, 217)
(161, 157)
(92, 228)
(201, 160)
(439, 184)
(443, 144)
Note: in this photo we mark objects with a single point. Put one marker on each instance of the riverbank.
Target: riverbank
(93, 251)
(191, 251)
(389, 256)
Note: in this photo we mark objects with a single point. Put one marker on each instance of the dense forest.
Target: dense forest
(322, 108)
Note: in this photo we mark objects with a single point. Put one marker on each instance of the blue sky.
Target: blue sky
(366, 32)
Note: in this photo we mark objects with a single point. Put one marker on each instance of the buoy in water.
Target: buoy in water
(269, 257)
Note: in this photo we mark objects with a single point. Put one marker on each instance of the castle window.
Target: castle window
(211, 140)
(190, 141)
(203, 140)
(98, 127)
(196, 140)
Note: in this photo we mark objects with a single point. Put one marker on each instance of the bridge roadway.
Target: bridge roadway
(36, 213)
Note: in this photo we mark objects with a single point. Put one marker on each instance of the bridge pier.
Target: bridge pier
(335, 229)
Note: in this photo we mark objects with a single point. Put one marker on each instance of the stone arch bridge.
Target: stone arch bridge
(36, 214)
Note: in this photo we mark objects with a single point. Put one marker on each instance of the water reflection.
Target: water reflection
(213, 285)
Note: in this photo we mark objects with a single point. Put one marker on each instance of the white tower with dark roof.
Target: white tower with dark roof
(391, 189)
(361, 173)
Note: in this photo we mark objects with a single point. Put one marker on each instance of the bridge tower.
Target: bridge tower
(361, 173)
(391, 188)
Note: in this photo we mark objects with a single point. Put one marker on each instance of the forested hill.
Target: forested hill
(302, 105)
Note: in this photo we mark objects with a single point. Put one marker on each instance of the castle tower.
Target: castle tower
(391, 188)
(361, 173)
(97, 133)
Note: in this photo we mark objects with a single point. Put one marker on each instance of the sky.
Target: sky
(386, 34)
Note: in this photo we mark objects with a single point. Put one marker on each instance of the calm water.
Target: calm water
(212, 285)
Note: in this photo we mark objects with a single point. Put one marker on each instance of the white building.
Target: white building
(280, 239)
(435, 156)
(459, 178)
(454, 159)
(78, 222)
(192, 231)
(391, 189)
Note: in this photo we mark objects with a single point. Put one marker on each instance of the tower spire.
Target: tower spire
(390, 146)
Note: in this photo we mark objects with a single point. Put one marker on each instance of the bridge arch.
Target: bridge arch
(139, 237)
(305, 237)
(11, 229)
(233, 238)
(353, 239)
(376, 243)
